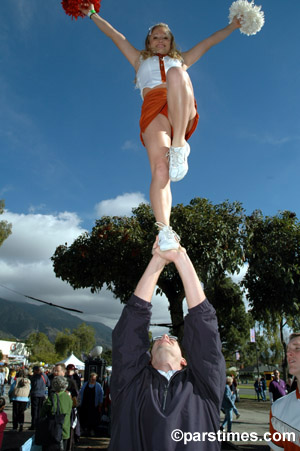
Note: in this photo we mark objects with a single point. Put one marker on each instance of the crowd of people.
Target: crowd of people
(83, 404)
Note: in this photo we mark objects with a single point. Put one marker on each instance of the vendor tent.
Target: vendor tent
(73, 359)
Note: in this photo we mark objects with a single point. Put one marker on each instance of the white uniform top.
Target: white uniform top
(285, 417)
(149, 74)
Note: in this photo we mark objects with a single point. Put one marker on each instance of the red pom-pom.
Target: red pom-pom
(71, 7)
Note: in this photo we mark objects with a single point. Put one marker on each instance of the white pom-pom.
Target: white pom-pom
(250, 16)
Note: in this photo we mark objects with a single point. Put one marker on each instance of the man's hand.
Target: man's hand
(168, 256)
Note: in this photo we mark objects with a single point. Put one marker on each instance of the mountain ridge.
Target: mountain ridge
(21, 319)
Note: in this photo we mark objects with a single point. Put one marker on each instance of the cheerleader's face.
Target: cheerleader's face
(160, 40)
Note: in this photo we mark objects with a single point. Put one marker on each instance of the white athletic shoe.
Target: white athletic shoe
(178, 165)
(167, 238)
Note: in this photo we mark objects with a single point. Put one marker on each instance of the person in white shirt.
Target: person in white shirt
(285, 412)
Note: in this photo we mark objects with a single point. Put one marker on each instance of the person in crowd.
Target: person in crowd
(3, 419)
(6, 372)
(71, 374)
(227, 406)
(234, 393)
(277, 387)
(2, 381)
(12, 375)
(19, 396)
(106, 407)
(39, 384)
(169, 113)
(91, 399)
(258, 389)
(155, 392)
(59, 386)
(60, 370)
(263, 388)
(284, 414)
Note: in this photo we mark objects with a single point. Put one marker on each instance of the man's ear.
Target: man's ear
(183, 362)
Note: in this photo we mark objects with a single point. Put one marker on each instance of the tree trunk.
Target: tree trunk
(175, 296)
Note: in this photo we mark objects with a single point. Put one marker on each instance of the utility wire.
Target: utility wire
(40, 300)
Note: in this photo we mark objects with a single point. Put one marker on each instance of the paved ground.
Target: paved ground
(254, 418)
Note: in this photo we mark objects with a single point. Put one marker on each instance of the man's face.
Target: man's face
(276, 375)
(58, 371)
(166, 347)
(293, 357)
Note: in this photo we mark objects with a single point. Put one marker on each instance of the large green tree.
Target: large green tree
(80, 340)
(234, 321)
(273, 277)
(5, 227)
(116, 252)
(40, 348)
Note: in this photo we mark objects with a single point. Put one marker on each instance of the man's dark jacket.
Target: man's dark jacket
(146, 407)
(39, 382)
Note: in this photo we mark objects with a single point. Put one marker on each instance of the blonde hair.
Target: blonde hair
(229, 380)
(173, 53)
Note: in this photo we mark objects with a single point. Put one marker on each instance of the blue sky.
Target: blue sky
(69, 135)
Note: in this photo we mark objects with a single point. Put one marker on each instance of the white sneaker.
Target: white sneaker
(178, 165)
(167, 238)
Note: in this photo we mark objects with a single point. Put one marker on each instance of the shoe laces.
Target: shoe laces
(168, 230)
(175, 157)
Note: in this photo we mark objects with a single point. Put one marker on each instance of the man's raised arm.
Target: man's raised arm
(130, 338)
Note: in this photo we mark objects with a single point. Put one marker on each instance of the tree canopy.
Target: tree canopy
(234, 321)
(40, 348)
(219, 240)
(80, 340)
(273, 278)
(117, 251)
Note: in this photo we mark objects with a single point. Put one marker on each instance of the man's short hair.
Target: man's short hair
(294, 335)
(62, 365)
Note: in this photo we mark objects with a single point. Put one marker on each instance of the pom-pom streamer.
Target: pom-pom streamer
(250, 16)
(71, 7)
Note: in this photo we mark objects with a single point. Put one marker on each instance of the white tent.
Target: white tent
(73, 359)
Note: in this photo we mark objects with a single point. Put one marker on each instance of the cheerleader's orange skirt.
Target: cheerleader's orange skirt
(155, 102)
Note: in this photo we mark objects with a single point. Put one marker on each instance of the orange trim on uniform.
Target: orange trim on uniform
(285, 445)
(280, 443)
(162, 68)
(155, 102)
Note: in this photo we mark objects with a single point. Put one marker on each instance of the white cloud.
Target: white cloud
(35, 237)
(5, 189)
(130, 145)
(120, 205)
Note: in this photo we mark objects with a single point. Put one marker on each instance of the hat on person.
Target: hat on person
(59, 383)
(71, 366)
